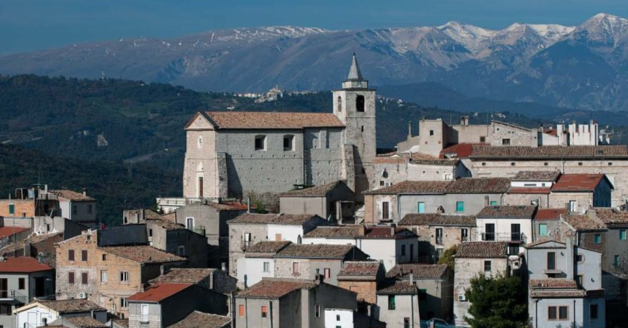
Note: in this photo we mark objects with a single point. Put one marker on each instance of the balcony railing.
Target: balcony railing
(13, 296)
(502, 236)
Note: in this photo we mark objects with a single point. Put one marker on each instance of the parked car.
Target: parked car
(438, 323)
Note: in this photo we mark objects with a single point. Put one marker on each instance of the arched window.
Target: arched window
(359, 103)
(339, 104)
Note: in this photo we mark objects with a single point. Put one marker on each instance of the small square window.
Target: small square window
(431, 133)
(104, 257)
(597, 238)
(266, 267)
(21, 284)
(459, 206)
(260, 142)
(288, 143)
(482, 139)
(622, 234)
(391, 302)
(264, 311)
(505, 141)
(487, 266)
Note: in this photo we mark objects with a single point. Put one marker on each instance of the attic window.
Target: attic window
(359, 103)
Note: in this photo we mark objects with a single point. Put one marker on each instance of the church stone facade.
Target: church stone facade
(233, 154)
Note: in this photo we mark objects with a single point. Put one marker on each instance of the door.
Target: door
(385, 213)
(489, 232)
(40, 286)
(144, 314)
(4, 286)
(200, 187)
(439, 236)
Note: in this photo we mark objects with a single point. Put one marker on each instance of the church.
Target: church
(236, 154)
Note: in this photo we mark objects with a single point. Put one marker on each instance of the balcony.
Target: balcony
(503, 236)
(13, 297)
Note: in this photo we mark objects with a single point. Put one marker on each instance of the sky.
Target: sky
(29, 25)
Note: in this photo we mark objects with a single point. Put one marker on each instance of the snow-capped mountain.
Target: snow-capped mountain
(583, 66)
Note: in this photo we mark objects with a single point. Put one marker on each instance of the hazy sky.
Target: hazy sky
(27, 25)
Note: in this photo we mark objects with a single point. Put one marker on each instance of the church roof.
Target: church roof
(272, 120)
(354, 71)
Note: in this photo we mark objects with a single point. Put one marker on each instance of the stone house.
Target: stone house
(546, 223)
(398, 304)
(475, 258)
(27, 203)
(531, 188)
(579, 192)
(76, 206)
(439, 232)
(296, 303)
(512, 224)
(248, 229)
(389, 245)
(282, 259)
(465, 196)
(42, 313)
(41, 247)
(198, 319)
(97, 267)
(214, 279)
(232, 154)
(84, 321)
(333, 201)
(435, 285)
(164, 304)
(363, 278)
(21, 280)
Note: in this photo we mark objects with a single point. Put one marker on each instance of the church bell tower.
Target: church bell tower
(354, 105)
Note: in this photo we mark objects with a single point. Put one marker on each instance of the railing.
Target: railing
(502, 236)
(13, 296)
(439, 240)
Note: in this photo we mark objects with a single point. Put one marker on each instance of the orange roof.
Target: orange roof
(526, 190)
(462, 150)
(22, 265)
(10, 231)
(549, 213)
(272, 120)
(159, 292)
(577, 182)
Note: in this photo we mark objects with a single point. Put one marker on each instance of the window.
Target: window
(493, 203)
(123, 302)
(278, 237)
(593, 311)
(381, 183)
(89, 208)
(406, 322)
(505, 141)
(513, 249)
(421, 207)
(144, 314)
(288, 143)
(241, 310)
(295, 268)
(403, 250)
(557, 313)
(439, 236)
(622, 234)
(391, 302)
(318, 310)
(181, 250)
(21, 283)
(572, 206)
(515, 232)
(482, 139)
(543, 229)
(464, 234)
(84, 278)
(103, 276)
(189, 223)
(359, 103)
(580, 258)
(70, 255)
(327, 273)
(260, 142)
(11, 208)
(431, 133)
(385, 213)
(104, 257)
(124, 276)
(616, 261)
(71, 278)
(264, 311)
(487, 266)
(266, 266)
(339, 104)
(579, 279)
(459, 206)
(489, 232)
(551, 260)
(337, 317)
(597, 238)
(84, 255)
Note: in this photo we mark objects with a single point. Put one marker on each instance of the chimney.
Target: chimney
(84, 191)
(412, 279)
(392, 230)
(223, 266)
(464, 120)
(46, 188)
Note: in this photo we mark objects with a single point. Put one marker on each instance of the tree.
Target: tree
(448, 257)
(497, 302)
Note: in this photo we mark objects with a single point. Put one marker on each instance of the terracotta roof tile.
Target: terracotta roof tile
(229, 206)
(360, 268)
(528, 190)
(121, 322)
(198, 319)
(282, 219)
(275, 288)
(165, 224)
(461, 150)
(85, 321)
(10, 231)
(553, 283)
(547, 152)
(159, 292)
(184, 275)
(583, 222)
(22, 265)
(534, 244)
(326, 251)
(575, 293)
(577, 182)
(420, 158)
(273, 120)
(435, 219)
(612, 217)
(508, 211)
(482, 249)
(545, 214)
(72, 306)
(398, 288)
(479, 186)
(390, 160)
(418, 271)
(142, 254)
(268, 247)
(71, 195)
(412, 187)
(536, 176)
(379, 232)
(345, 231)
(316, 191)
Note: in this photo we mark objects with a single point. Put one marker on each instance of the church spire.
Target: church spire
(354, 71)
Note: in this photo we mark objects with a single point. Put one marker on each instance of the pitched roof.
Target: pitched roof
(198, 319)
(71, 195)
(412, 187)
(547, 152)
(121, 322)
(553, 283)
(555, 288)
(479, 186)
(536, 176)
(482, 249)
(379, 232)
(558, 293)
(22, 265)
(316, 191)
(354, 70)
(398, 287)
(435, 219)
(229, 206)
(326, 251)
(72, 306)
(611, 217)
(418, 271)
(536, 244)
(275, 288)
(507, 211)
(159, 292)
(282, 219)
(544, 214)
(184, 275)
(360, 268)
(345, 231)
(461, 150)
(577, 182)
(142, 254)
(268, 247)
(583, 222)
(528, 190)
(420, 158)
(272, 120)
(85, 321)
(10, 231)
